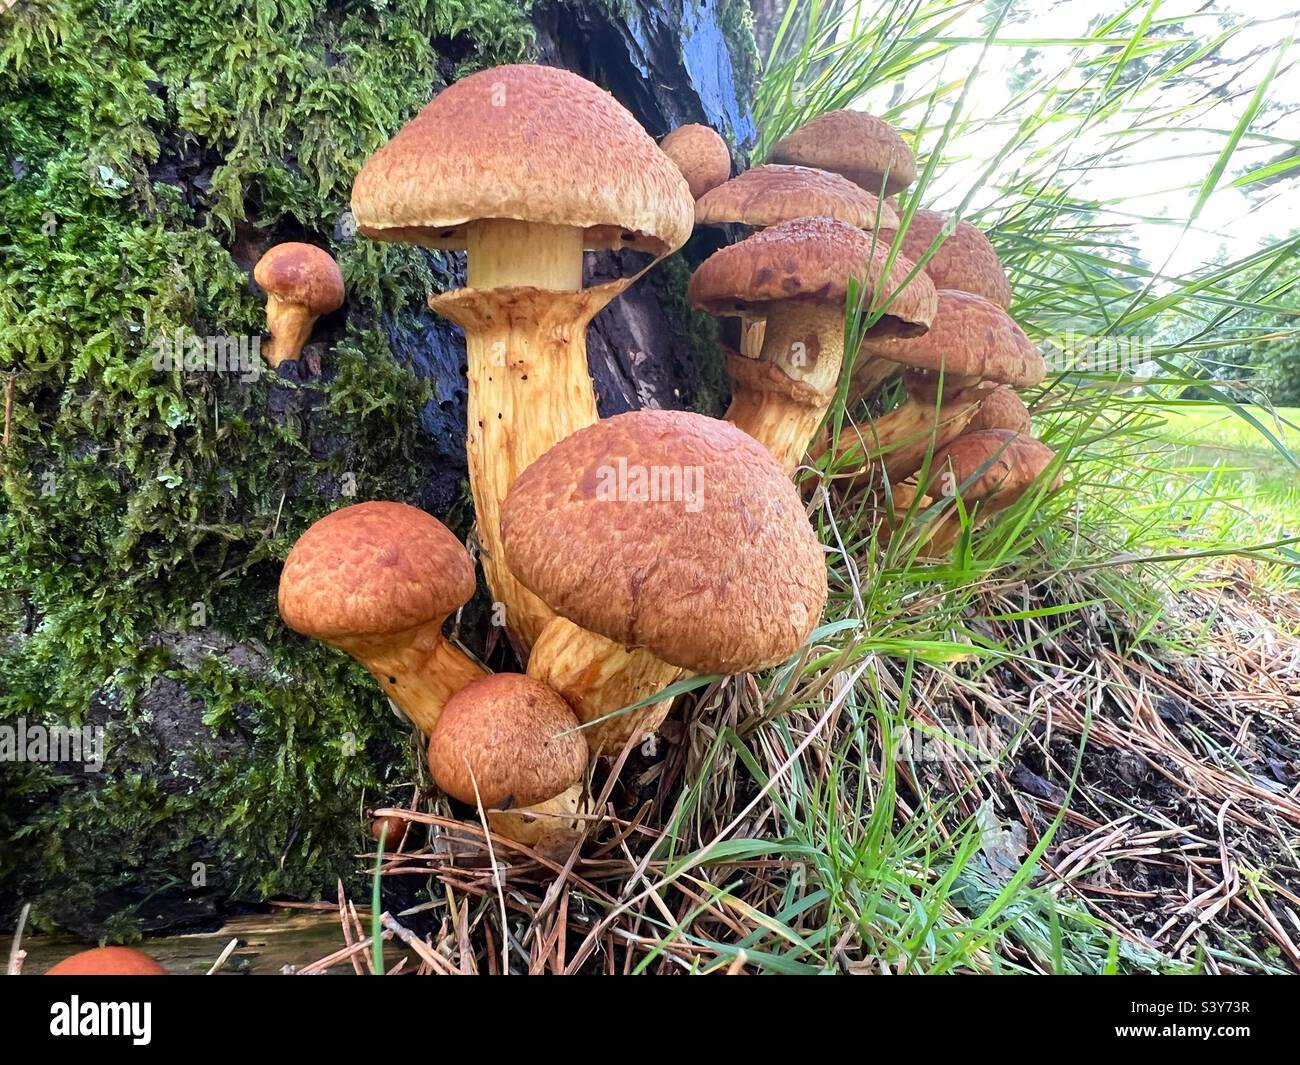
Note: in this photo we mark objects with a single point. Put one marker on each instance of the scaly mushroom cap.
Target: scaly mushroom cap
(1010, 463)
(303, 274)
(768, 195)
(965, 260)
(812, 259)
(673, 532)
(969, 337)
(700, 154)
(513, 737)
(530, 143)
(372, 569)
(108, 961)
(860, 146)
(1000, 408)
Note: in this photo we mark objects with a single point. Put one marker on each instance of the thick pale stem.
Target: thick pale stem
(418, 669)
(899, 441)
(529, 388)
(780, 397)
(289, 325)
(597, 677)
(504, 253)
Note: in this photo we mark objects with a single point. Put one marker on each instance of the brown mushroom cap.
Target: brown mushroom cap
(108, 961)
(1000, 408)
(700, 154)
(513, 737)
(534, 144)
(768, 195)
(865, 149)
(810, 259)
(372, 569)
(965, 260)
(1011, 462)
(301, 273)
(673, 532)
(969, 337)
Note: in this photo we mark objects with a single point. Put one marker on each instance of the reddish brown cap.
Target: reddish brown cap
(535, 144)
(1003, 464)
(301, 273)
(865, 149)
(700, 154)
(1000, 408)
(371, 569)
(969, 337)
(810, 259)
(673, 532)
(108, 961)
(513, 737)
(768, 195)
(965, 260)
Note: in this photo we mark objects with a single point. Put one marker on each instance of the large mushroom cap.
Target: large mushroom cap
(1000, 464)
(812, 259)
(108, 961)
(965, 260)
(673, 532)
(768, 195)
(301, 273)
(371, 569)
(700, 154)
(969, 337)
(865, 149)
(529, 143)
(513, 737)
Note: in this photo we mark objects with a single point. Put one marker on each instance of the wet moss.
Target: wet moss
(150, 146)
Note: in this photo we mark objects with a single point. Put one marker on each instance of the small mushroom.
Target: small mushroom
(511, 745)
(523, 167)
(796, 275)
(970, 343)
(301, 282)
(390, 831)
(108, 961)
(990, 470)
(964, 260)
(377, 580)
(1000, 408)
(700, 154)
(865, 149)
(769, 195)
(685, 547)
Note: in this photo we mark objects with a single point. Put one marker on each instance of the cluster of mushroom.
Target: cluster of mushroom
(623, 553)
(936, 300)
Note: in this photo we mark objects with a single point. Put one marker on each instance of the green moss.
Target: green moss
(144, 139)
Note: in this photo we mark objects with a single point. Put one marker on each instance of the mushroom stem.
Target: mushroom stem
(780, 397)
(289, 325)
(529, 388)
(505, 253)
(419, 670)
(597, 677)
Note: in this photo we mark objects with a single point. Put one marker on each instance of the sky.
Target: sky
(1151, 180)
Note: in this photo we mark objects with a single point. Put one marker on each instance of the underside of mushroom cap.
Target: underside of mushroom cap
(768, 195)
(529, 143)
(965, 260)
(865, 149)
(673, 532)
(507, 740)
(301, 273)
(969, 337)
(812, 259)
(1002, 463)
(372, 569)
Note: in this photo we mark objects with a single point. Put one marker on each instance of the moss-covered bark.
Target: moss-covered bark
(151, 151)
